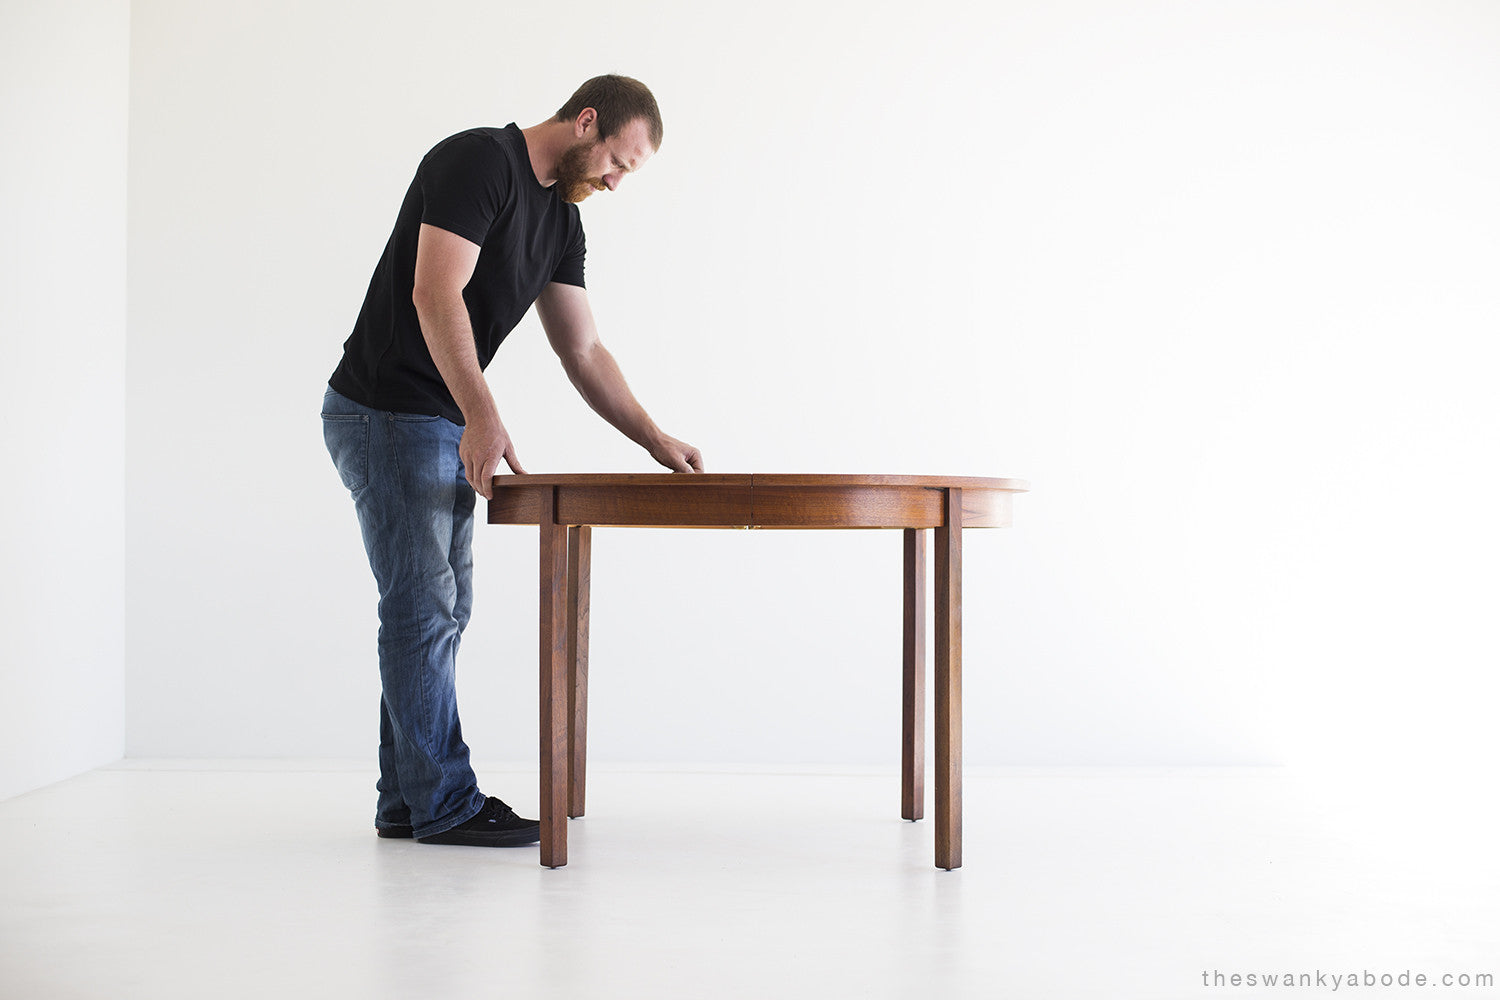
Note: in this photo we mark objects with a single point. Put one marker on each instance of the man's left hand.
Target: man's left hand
(676, 455)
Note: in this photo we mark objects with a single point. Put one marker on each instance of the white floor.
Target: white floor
(162, 880)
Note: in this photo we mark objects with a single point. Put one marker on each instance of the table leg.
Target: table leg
(580, 544)
(948, 703)
(913, 671)
(553, 682)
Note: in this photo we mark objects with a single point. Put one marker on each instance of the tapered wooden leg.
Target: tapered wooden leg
(913, 670)
(579, 546)
(553, 682)
(947, 671)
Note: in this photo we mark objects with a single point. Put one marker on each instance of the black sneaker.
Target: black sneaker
(394, 832)
(497, 825)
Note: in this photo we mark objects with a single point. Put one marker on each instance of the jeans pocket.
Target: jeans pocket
(347, 436)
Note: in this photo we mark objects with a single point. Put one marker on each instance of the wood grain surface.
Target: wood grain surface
(947, 705)
(553, 685)
(580, 549)
(750, 500)
(913, 671)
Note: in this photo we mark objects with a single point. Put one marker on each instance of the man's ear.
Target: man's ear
(587, 119)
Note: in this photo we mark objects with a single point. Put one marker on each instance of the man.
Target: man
(489, 226)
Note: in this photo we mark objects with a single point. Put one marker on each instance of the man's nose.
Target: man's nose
(611, 181)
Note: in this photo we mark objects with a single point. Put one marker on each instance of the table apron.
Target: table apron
(735, 506)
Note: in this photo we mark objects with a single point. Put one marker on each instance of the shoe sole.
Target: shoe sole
(394, 833)
(504, 838)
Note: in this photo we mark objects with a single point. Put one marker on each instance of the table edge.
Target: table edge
(751, 480)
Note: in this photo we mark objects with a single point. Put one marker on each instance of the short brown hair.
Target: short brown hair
(619, 100)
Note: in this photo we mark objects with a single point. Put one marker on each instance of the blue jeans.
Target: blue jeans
(416, 513)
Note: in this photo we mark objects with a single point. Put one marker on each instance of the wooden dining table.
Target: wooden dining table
(568, 507)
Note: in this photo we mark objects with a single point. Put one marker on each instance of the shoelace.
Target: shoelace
(496, 810)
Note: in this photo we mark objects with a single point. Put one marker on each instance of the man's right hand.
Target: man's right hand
(483, 445)
(445, 263)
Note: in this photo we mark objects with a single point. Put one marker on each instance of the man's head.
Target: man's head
(616, 127)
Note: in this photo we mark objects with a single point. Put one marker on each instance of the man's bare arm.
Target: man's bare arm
(445, 263)
(569, 322)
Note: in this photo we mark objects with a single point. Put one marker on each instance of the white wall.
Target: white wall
(1218, 278)
(64, 69)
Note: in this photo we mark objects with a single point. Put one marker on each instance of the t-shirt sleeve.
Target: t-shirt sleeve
(570, 268)
(463, 186)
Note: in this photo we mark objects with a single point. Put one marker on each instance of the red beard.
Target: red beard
(573, 182)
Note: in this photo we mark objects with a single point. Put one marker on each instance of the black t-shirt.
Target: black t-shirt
(478, 184)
